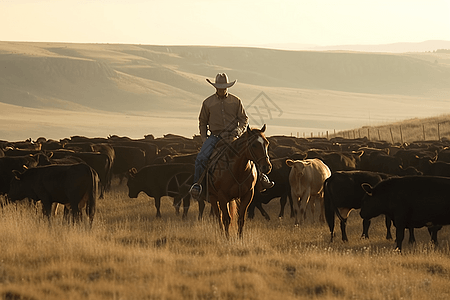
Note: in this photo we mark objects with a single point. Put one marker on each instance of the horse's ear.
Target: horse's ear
(263, 128)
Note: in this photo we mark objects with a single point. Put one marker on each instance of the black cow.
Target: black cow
(336, 161)
(163, 180)
(282, 188)
(100, 162)
(444, 155)
(384, 163)
(8, 164)
(343, 193)
(411, 202)
(20, 152)
(127, 158)
(75, 186)
(434, 168)
(150, 150)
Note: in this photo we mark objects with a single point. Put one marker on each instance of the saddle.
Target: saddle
(219, 150)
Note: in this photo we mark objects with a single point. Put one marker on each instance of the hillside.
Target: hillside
(303, 90)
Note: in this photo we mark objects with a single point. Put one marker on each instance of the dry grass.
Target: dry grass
(409, 130)
(131, 255)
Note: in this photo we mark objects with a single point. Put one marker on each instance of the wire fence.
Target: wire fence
(406, 132)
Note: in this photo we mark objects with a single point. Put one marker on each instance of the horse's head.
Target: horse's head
(257, 146)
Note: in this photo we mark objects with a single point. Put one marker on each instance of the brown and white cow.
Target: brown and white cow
(306, 179)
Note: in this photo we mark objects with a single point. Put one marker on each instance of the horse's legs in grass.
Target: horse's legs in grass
(242, 209)
(226, 219)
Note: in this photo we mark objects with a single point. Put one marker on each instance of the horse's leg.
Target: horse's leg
(251, 210)
(215, 211)
(201, 207)
(226, 218)
(242, 209)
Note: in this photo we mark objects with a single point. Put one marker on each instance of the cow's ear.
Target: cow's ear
(132, 172)
(358, 153)
(24, 167)
(289, 162)
(367, 188)
(16, 174)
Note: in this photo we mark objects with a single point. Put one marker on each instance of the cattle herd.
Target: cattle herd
(408, 183)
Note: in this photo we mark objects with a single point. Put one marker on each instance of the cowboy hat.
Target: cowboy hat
(221, 81)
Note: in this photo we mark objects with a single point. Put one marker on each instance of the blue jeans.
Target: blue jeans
(203, 156)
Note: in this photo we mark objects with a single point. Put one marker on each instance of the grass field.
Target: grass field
(128, 254)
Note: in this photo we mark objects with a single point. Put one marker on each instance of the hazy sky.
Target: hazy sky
(232, 22)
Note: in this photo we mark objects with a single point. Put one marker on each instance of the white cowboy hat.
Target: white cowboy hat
(221, 81)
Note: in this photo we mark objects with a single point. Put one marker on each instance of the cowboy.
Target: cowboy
(224, 116)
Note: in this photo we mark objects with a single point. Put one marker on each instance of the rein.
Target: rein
(253, 161)
(253, 156)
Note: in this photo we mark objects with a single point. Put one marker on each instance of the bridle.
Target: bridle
(252, 153)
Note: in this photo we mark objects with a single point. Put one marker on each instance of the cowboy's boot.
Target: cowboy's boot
(264, 183)
(195, 191)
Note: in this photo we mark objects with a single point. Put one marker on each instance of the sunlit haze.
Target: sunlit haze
(236, 23)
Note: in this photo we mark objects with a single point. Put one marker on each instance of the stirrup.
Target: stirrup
(195, 190)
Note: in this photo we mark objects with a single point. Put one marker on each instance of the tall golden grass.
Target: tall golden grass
(128, 254)
(417, 129)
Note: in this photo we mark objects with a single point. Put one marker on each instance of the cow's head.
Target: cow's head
(297, 166)
(17, 186)
(133, 184)
(371, 204)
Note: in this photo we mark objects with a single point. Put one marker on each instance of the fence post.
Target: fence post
(423, 130)
(392, 137)
(379, 137)
(439, 132)
(401, 134)
(368, 133)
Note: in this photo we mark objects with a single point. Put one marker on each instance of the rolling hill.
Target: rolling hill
(160, 88)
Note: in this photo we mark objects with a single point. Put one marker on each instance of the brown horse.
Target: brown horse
(235, 174)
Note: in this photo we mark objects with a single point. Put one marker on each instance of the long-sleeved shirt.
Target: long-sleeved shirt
(222, 115)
